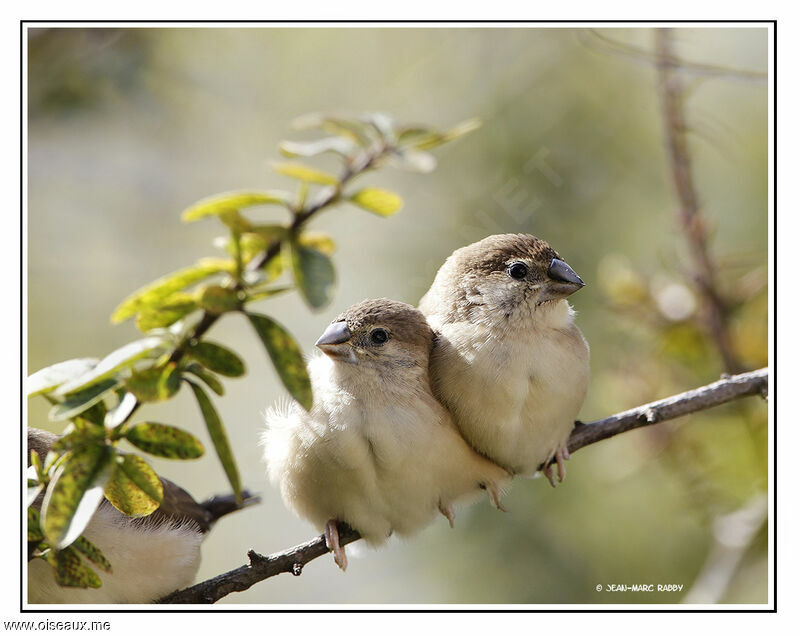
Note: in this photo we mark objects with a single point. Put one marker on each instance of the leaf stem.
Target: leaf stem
(354, 167)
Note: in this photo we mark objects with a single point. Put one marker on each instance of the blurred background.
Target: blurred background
(127, 127)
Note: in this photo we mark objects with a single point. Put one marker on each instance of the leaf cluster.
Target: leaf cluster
(97, 398)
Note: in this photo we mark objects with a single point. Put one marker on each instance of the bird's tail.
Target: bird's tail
(221, 505)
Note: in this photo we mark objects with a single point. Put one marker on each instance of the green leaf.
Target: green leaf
(113, 362)
(250, 246)
(313, 273)
(206, 376)
(338, 145)
(34, 528)
(269, 233)
(220, 439)
(217, 300)
(233, 201)
(304, 173)
(134, 488)
(165, 441)
(157, 293)
(79, 435)
(259, 293)
(79, 401)
(286, 356)
(93, 416)
(318, 241)
(121, 411)
(347, 128)
(217, 358)
(71, 571)
(91, 552)
(433, 139)
(381, 202)
(75, 493)
(155, 384)
(47, 379)
(168, 314)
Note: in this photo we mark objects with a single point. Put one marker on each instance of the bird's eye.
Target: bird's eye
(378, 336)
(518, 270)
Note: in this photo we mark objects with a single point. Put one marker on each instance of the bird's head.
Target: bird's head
(505, 276)
(379, 336)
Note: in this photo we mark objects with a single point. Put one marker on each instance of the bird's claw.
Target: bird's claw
(447, 511)
(494, 496)
(561, 455)
(332, 542)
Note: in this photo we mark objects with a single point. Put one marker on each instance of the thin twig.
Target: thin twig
(294, 559)
(680, 65)
(692, 223)
(359, 165)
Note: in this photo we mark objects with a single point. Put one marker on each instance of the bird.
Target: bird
(376, 451)
(150, 556)
(510, 364)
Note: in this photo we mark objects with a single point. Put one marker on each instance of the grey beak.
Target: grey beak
(336, 333)
(562, 272)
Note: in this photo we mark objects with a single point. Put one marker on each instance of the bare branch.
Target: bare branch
(592, 37)
(293, 559)
(692, 223)
(363, 162)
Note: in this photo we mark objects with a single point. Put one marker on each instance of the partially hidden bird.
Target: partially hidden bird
(150, 556)
(510, 364)
(376, 451)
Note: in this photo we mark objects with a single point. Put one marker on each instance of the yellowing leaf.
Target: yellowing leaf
(217, 299)
(206, 376)
(219, 437)
(113, 362)
(49, 378)
(91, 552)
(82, 400)
(286, 356)
(71, 571)
(159, 292)
(75, 493)
(156, 384)
(217, 358)
(134, 488)
(377, 200)
(164, 441)
(234, 201)
(304, 173)
(339, 145)
(318, 241)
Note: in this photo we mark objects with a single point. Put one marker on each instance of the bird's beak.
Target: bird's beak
(563, 282)
(334, 341)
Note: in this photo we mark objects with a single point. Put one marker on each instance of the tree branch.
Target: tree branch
(293, 559)
(362, 162)
(692, 223)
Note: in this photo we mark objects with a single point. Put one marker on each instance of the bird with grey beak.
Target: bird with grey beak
(377, 451)
(509, 363)
(150, 556)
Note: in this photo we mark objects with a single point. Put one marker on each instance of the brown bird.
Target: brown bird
(377, 450)
(150, 556)
(510, 363)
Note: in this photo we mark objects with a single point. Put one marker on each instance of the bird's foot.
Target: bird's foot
(447, 511)
(561, 455)
(494, 496)
(332, 542)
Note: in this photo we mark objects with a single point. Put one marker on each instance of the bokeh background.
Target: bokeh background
(127, 127)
